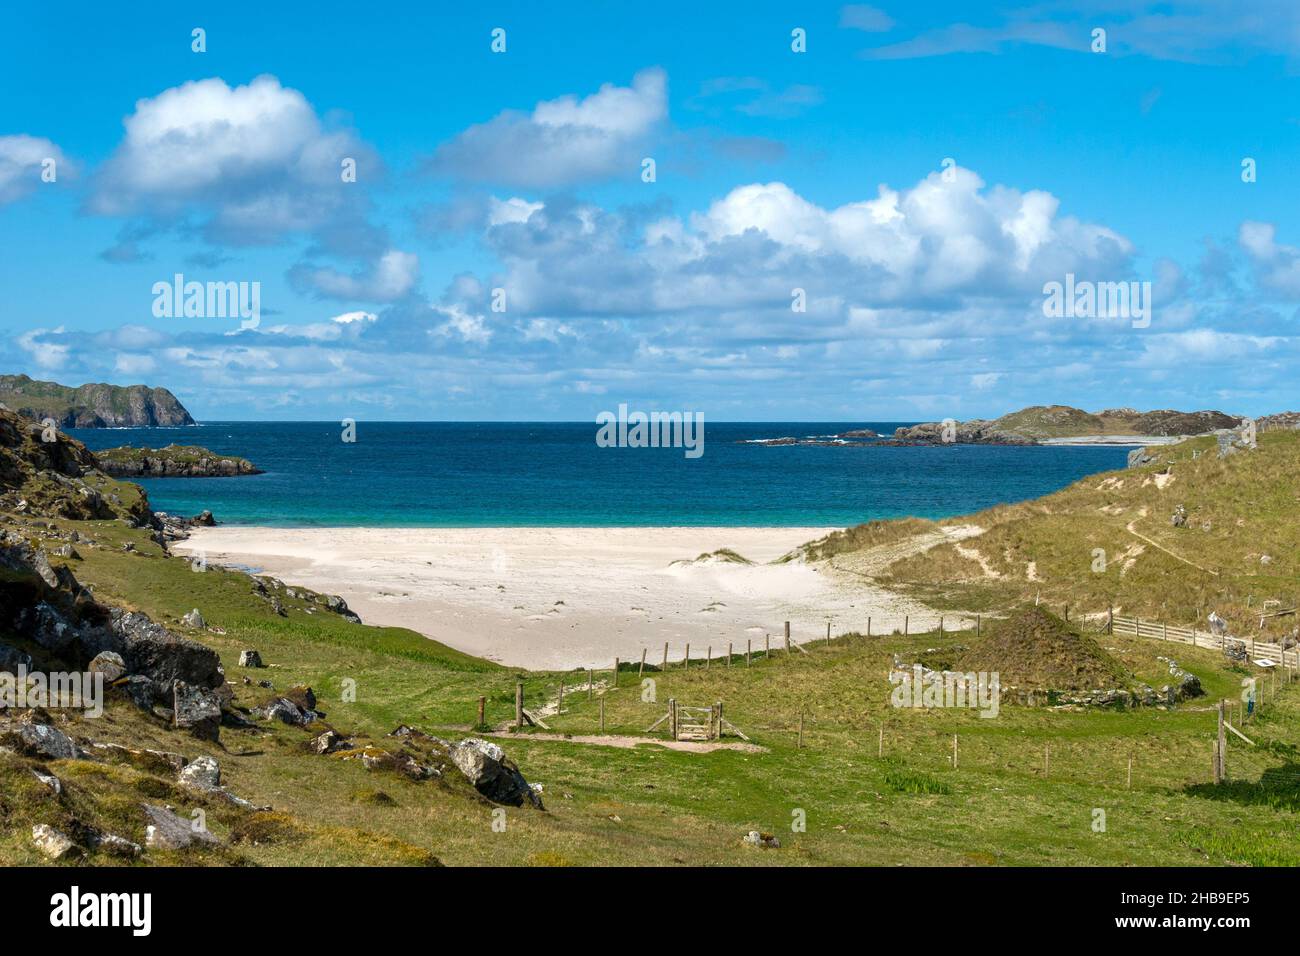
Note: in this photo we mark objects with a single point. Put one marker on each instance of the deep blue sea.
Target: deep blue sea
(447, 474)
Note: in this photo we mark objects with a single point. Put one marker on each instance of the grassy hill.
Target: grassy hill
(1109, 540)
(92, 406)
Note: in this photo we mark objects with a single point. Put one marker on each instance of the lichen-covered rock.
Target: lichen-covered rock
(250, 658)
(195, 620)
(110, 664)
(197, 710)
(202, 773)
(53, 843)
(42, 740)
(167, 831)
(492, 773)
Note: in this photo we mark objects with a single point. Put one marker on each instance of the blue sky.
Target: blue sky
(775, 170)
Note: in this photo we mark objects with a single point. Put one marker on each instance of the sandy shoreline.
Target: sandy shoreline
(562, 597)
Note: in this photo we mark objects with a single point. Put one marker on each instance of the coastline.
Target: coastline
(562, 598)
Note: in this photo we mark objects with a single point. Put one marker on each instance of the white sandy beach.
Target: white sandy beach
(564, 597)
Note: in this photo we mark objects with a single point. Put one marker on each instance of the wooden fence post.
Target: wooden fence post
(591, 683)
(719, 708)
(977, 627)
(686, 661)
(672, 717)
(519, 705)
(941, 625)
(1222, 769)
(665, 667)
(640, 672)
(906, 624)
(868, 627)
(602, 715)
(748, 650)
(1110, 619)
(828, 633)
(482, 706)
(616, 662)
(787, 637)
(708, 657)
(728, 653)
(801, 729)
(767, 646)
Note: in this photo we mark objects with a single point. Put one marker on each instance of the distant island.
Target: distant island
(1040, 424)
(93, 405)
(174, 461)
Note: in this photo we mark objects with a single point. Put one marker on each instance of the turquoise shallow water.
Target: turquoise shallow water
(453, 474)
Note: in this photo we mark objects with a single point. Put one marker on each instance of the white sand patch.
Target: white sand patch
(567, 597)
(974, 554)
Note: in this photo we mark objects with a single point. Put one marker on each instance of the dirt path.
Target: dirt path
(1156, 544)
(627, 743)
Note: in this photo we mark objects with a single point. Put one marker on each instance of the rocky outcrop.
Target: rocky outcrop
(173, 461)
(1167, 422)
(977, 431)
(92, 406)
(45, 473)
(1278, 422)
(47, 607)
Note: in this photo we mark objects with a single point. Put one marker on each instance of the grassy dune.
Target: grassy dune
(1239, 547)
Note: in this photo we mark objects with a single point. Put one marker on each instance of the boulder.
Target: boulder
(110, 664)
(167, 831)
(53, 843)
(202, 773)
(42, 740)
(41, 564)
(115, 845)
(1139, 457)
(286, 711)
(328, 742)
(150, 650)
(764, 840)
(197, 710)
(492, 773)
(250, 658)
(51, 781)
(194, 619)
